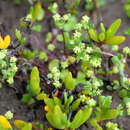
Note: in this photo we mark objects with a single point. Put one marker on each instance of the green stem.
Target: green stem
(64, 46)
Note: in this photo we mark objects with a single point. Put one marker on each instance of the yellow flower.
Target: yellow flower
(4, 43)
(4, 122)
(50, 129)
(46, 108)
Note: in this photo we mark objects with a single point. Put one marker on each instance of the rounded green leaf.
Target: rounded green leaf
(101, 36)
(69, 81)
(93, 35)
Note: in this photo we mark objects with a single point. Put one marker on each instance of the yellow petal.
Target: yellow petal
(50, 129)
(19, 124)
(1, 40)
(46, 108)
(4, 122)
(5, 43)
(7, 40)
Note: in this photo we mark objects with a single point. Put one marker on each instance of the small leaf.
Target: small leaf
(116, 60)
(37, 28)
(102, 27)
(70, 24)
(37, 13)
(27, 126)
(34, 87)
(50, 103)
(28, 99)
(80, 117)
(123, 93)
(53, 63)
(93, 35)
(101, 36)
(76, 104)
(127, 31)
(76, 3)
(106, 114)
(57, 101)
(105, 101)
(66, 37)
(113, 28)
(126, 100)
(69, 101)
(18, 34)
(41, 96)
(19, 124)
(95, 124)
(57, 118)
(69, 81)
(115, 40)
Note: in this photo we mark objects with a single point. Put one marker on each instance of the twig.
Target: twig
(64, 47)
(107, 53)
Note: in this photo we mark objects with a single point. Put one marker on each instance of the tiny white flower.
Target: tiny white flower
(9, 115)
(77, 34)
(13, 59)
(85, 19)
(66, 17)
(89, 49)
(77, 49)
(78, 26)
(86, 57)
(57, 17)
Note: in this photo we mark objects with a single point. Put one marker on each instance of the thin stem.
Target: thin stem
(98, 11)
(64, 47)
(107, 53)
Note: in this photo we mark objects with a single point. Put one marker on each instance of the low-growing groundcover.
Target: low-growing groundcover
(72, 80)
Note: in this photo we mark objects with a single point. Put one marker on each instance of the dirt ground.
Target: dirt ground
(9, 17)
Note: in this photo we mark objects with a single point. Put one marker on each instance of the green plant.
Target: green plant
(127, 8)
(33, 87)
(103, 112)
(89, 6)
(32, 54)
(75, 74)
(107, 36)
(21, 40)
(36, 13)
(59, 115)
(8, 66)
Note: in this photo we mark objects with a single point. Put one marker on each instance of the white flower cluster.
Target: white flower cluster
(55, 75)
(56, 17)
(7, 66)
(126, 50)
(96, 62)
(79, 49)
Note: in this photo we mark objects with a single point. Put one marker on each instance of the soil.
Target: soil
(9, 17)
(9, 99)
